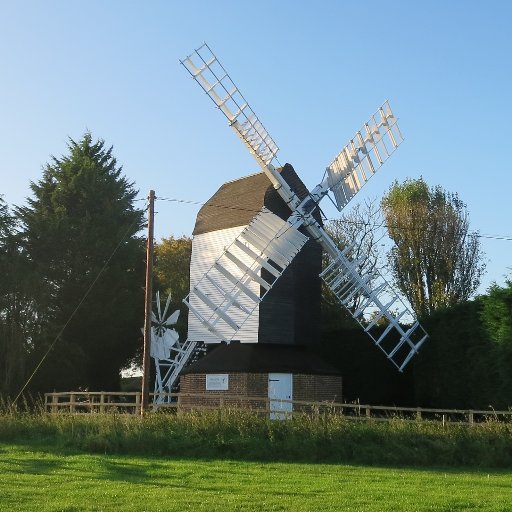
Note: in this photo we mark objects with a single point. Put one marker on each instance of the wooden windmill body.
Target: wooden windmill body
(290, 313)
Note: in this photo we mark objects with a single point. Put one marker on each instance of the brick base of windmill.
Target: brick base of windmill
(266, 377)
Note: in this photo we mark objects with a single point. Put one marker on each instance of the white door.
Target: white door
(280, 395)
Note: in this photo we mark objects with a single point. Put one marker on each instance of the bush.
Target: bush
(243, 435)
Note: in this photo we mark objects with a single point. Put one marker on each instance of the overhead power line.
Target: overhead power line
(227, 207)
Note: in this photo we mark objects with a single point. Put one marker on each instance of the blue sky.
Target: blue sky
(312, 71)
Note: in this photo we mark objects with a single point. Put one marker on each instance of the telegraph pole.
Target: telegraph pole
(147, 309)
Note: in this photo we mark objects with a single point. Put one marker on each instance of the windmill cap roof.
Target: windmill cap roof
(261, 358)
(236, 202)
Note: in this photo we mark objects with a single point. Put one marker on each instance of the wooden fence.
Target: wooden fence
(130, 403)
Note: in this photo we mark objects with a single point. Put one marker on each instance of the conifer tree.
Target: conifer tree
(16, 318)
(80, 231)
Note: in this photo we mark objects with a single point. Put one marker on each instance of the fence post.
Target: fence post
(471, 419)
(137, 402)
(418, 414)
(72, 403)
(368, 412)
(55, 400)
(102, 402)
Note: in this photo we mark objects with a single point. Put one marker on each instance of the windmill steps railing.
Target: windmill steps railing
(195, 355)
(188, 353)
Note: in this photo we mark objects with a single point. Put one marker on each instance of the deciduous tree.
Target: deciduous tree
(436, 261)
(361, 228)
(172, 274)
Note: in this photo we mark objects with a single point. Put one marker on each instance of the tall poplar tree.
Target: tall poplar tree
(80, 231)
(436, 261)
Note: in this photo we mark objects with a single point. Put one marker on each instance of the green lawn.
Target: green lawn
(33, 478)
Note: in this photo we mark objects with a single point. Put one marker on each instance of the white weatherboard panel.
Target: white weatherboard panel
(206, 249)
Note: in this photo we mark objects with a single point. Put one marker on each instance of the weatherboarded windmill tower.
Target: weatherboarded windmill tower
(290, 313)
(265, 247)
(273, 352)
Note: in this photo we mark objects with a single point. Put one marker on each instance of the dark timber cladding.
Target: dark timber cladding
(290, 313)
(261, 358)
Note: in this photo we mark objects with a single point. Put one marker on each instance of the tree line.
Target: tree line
(436, 262)
(72, 277)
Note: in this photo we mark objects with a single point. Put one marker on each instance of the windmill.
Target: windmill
(237, 282)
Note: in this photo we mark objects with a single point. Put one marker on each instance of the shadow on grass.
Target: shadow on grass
(127, 472)
(33, 466)
(120, 466)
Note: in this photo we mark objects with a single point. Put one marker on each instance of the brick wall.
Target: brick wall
(242, 385)
(308, 388)
(317, 388)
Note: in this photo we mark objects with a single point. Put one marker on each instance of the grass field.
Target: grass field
(38, 479)
(235, 460)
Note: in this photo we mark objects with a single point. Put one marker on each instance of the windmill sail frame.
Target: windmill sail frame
(360, 159)
(222, 298)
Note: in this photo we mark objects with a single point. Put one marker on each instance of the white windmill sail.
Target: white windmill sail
(358, 161)
(382, 313)
(380, 304)
(209, 73)
(226, 295)
(345, 176)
